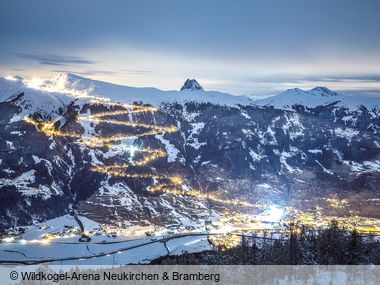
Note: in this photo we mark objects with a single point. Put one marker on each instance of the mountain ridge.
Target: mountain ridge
(76, 85)
(57, 153)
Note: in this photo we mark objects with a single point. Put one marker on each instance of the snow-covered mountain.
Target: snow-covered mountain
(318, 96)
(80, 87)
(352, 111)
(323, 91)
(127, 156)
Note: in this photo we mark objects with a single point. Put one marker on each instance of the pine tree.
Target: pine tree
(354, 248)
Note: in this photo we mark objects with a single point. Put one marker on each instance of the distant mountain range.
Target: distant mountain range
(63, 142)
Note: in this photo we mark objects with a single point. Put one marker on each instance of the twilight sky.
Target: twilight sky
(242, 47)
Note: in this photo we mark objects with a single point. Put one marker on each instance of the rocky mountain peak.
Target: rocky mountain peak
(191, 84)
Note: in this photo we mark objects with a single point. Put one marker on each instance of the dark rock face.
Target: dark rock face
(191, 84)
(361, 118)
(253, 153)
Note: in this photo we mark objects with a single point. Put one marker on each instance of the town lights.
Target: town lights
(274, 214)
(195, 193)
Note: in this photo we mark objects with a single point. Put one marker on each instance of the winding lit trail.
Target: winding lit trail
(170, 185)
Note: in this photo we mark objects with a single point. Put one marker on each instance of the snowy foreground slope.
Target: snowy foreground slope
(146, 162)
(102, 249)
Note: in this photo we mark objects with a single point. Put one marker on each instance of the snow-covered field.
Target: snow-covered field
(52, 242)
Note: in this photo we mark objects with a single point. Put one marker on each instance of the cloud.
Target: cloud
(340, 78)
(316, 78)
(137, 71)
(360, 78)
(88, 72)
(54, 59)
(49, 63)
(372, 93)
(104, 72)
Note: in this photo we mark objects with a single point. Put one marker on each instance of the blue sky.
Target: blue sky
(243, 47)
